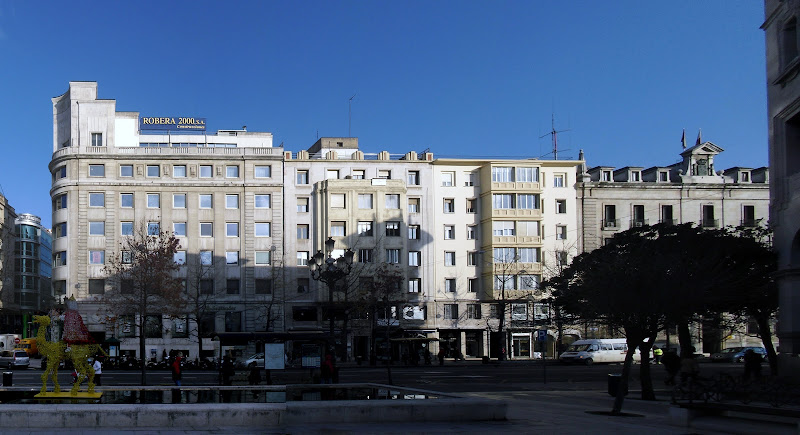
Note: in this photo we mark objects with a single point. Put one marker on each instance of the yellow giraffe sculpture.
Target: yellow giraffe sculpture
(52, 350)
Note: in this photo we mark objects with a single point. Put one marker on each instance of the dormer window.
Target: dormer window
(605, 175)
(744, 177)
(636, 176)
(663, 176)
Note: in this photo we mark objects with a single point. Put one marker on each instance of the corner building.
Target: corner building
(215, 191)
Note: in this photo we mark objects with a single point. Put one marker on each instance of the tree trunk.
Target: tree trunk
(645, 372)
(766, 337)
(142, 354)
(685, 338)
(622, 388)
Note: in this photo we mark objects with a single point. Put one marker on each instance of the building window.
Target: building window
(97, 286)
(609, 216)
(97, 199)
(232, 286)
(126, 257)
(502, 201)
(179, 257)
(206, 258)
(788, 42)
(357, 174)
(153, 200)
(97, 228)
(59, 258)
(263, 257)
(126, 200)
(470, 179)
(503, 228)
(413, 232)
(97, 170)
(302, 205)
(97, 257)
(232, 258)
(338, 229)
(708, 217)
(263, 201)
(528, 201)
(60, 288)
(472, 205)
(449, 258)
(745, 177)
(232, 171)
(206, 171)
(206, 229)
(449, 232)
(365, 228)
(179, 228)
(473, 311)
(606, 175)
(337, 200)
(451, 311)
(414, 285)
(206, 287)
(206, 200)
(153, 228)
(666, 214)
(302, 287)
(413, 205)
(302, 231)
(233, 319)
(393, 256)
(528, 175)
(748, 216)
(263, 229)
(561, 232)
(332, 174)
(153, 171)
(385, 174)
(501, 174)
(392, 201)
(60, 172)
(263, 286)
(365, 201)
(505, 282)
(60, 202)
(558, 180)
(471, 232)
(450, 285)
(392, 229)
(519, 312)
(60, 230)
(178, 200)
(473, 283)
(232, 201)
(302, 258)
(472, 258)
(302, 177)
(529, 282)
(636, 176)
(413, 178)
(263, 171)
(97, 139)
(448, 179)
(414, 258)
(638, 216)
(663, 176)
(365, 256)
(449, 205)
(562, 258)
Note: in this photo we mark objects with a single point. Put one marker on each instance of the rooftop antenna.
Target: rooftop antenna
(554, 133)
(349, 114)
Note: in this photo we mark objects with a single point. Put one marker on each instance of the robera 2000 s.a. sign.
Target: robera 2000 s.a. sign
(174, 123)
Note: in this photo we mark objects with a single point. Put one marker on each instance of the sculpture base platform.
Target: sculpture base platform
(68, 395)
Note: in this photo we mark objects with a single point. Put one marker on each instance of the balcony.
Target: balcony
(635, 223)
(710, 223)
(610, 224)
(750, 223)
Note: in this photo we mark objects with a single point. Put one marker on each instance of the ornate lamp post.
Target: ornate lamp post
(331, 270)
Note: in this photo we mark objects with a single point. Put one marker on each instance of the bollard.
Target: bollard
(614, 381)
(7, 378)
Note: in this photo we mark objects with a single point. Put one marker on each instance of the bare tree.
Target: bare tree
(200, 296)
(381, 297)
(144, 281)
(512, 285)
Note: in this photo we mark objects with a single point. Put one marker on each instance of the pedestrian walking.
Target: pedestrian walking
(657, 354)
(176, 369)
(441, 357)
(672, 364)
(255, 375)
(752, 364)
(327, 369)
(228, 371)
(98, 371)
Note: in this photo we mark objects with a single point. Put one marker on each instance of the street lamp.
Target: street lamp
(331, 270)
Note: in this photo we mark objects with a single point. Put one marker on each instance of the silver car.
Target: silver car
(14, 358)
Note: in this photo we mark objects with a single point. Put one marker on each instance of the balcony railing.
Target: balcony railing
(749, 223)
(710, 223)
(639, 223)
(610, 224)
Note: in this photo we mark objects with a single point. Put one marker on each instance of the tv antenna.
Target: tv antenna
(350, 114)
(554, 133)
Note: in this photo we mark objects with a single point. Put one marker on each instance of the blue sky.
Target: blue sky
(463, 78)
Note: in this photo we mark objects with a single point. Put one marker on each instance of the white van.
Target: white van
(601, 350)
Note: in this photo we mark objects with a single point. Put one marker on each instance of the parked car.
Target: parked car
(14, 358)
(255, 360)
(736, 354)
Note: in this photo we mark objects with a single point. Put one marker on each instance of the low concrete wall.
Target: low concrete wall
(197, 415)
